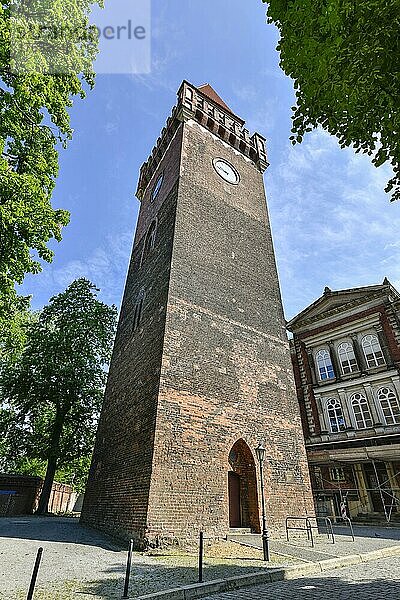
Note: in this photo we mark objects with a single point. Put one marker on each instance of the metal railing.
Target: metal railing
(308, 527)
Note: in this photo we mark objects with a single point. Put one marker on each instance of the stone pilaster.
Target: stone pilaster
(359, 354)
(372, 406)
(335, 362)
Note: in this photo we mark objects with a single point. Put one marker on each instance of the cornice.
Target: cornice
(194, 105)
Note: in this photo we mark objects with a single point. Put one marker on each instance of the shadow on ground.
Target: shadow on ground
(387, 533)
(144, 579)
(307, 588)
(56, 529)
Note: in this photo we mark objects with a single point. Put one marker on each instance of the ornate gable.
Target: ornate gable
(332, 303)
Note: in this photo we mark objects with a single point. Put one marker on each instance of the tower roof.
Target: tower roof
(208, 91)
(203, 105)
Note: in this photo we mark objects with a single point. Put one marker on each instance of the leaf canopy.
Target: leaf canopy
(35, 97)
(61, 371)
(344, 59)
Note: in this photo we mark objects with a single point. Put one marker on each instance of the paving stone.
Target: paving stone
(374, 580)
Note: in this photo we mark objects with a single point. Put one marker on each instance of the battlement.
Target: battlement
(204, 106)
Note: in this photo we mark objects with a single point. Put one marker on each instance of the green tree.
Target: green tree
(35, 94)
(52, 394)
(344, 59)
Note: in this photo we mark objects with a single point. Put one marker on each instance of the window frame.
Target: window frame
(383, 395)
(378, 358)
(347, 355)
(157, 187)
(337, 417)
(364, 411)
(328, 367)
(337, 474)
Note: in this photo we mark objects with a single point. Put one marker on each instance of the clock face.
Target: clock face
(157, 187)
(226, 171)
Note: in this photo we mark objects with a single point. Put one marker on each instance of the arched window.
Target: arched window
(347, 358)
(372, 351)
(137, 313)
(335, 415)
(324, 363)
(149, 241)
(389, 405)
(361, 411)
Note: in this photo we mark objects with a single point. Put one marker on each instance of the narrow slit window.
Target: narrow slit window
(137, 313)
(149, 241)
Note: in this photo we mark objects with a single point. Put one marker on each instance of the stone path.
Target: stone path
(366, 539)
(376, 580)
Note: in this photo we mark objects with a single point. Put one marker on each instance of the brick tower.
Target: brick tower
(201, 370)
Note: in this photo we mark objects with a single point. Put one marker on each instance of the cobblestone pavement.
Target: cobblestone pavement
(375, 580)
(366, 539)
(81, 563)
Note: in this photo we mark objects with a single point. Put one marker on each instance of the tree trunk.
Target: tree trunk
(54, 453)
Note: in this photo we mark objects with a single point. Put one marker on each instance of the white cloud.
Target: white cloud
(105, 266)
(332, 222)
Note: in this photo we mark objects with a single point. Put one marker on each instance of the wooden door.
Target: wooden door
(234, 499)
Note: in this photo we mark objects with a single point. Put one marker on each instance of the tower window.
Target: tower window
(361, 411)
(372, 351)
(389, 405)
(347, 358)
(157, 187)
(325, 367)
(137, 313)
(150, 240)
(335, 415)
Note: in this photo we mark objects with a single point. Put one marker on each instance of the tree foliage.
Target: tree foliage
(51, 395)
(344, 58)
(35, 95)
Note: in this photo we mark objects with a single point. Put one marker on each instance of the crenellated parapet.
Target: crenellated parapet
(212, 114)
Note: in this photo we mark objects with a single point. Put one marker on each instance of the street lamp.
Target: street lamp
(260, 452)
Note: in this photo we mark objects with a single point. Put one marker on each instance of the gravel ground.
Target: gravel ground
(78, 562)
(81, 563)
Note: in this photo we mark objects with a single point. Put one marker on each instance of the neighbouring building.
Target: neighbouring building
(346, 358)
(201, 369)
(19, 495)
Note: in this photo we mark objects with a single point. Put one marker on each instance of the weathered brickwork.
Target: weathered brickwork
(117, 496)
(210, 369)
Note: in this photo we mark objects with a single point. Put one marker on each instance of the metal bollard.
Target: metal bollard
(34, 574)
(128, 571)
(201, 550)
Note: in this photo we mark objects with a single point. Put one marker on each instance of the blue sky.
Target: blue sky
(331, 221)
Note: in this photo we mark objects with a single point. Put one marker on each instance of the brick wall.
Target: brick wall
(209, 366)
(226, 371)
(19, 495)
(116, 498)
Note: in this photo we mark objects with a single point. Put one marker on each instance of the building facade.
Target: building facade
(346, 359)
(201, 370)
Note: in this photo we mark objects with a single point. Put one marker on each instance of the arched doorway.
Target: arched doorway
(242, 488)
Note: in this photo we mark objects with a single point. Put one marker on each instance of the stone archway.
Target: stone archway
(242, 488)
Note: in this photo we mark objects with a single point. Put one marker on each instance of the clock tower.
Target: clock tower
(201, 369)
